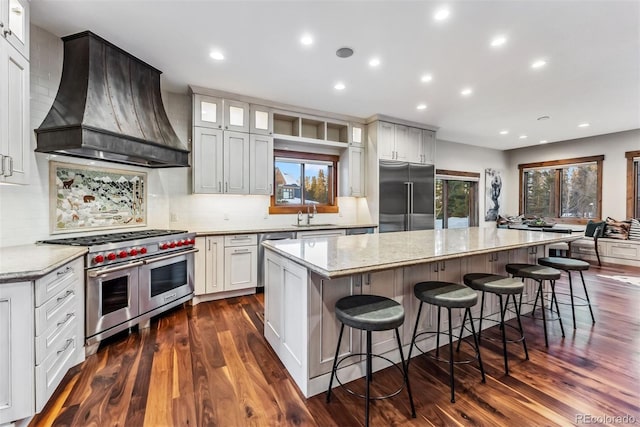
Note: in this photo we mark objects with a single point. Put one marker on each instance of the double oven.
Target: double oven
(131, 277)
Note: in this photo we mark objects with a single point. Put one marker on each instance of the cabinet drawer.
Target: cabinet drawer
(51, 371)
(53, 339)
(583, 249)
(623, 250)
(241, 240)
(51, 284)
(56, 308)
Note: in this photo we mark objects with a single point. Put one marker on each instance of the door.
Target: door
(207, 111)
(386, 141)
(15, 17)
(236, 163)
(240, 267)
(261, 120)
(207, 160)
(422, 189)
(261, 161)
(394, 188)
(236, 116)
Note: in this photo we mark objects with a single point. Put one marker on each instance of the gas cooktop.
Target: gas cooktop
(112, 237)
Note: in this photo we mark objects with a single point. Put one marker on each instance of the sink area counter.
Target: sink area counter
(277, 228)
(332, 257)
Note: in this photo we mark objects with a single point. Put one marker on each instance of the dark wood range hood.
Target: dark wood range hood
(109, 107)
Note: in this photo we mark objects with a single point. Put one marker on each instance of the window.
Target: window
(302, 180)
(568, 190)
(456, 199)
(633, 184)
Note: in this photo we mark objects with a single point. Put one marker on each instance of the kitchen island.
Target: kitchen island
(305, 278)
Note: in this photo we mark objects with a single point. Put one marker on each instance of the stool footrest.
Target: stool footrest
(380, 397)
(439, 359)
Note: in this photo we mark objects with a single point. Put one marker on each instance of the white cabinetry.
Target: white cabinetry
(209, 265)
(15, 141)
(236, 163)
(260, 164)
(493, 263)
(218, 113)
(240, 262)
(403, 143)
(16, 351)
(528, 255)
(428, 147)
(352, 172)
(312, 234)
(261, 121)
(14, 24)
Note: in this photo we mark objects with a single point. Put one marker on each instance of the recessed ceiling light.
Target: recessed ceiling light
(543, 141)
(217, 55)
(441, 14)
(583, 125)
(466, 91)
(538, 63)
(306, 39)
(339, 86)
(422, 106)
(498, 41)
(374, 62)
(426, 78)
(504, 132)
(523, 137)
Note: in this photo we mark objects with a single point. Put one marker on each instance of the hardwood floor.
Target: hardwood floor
(209, 365)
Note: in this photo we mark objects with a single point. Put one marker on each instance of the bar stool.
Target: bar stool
(447, 295)
(370, 313)
(539, 273)
(568, 265)
(498, 285)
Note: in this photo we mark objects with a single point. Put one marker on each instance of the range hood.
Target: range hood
(109, 107)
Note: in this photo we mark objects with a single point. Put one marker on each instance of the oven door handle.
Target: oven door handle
(162, 258)
(97, 273)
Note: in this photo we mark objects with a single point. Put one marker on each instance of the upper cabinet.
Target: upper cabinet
(404, 143)
(310, 130)
(218, 113)
(14, 24)
(357, 135)
(428, 147)
(261, 121)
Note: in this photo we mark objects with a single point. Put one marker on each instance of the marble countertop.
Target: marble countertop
(276, 228)
(30, 262)
(341, 256)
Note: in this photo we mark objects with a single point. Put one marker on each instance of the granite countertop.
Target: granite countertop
(276, 228)
(30, 262)
(341, 256)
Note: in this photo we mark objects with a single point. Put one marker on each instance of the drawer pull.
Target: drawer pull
(240, 250)
(65, 271)
(64, 297)
(66, 346)
(69, 316)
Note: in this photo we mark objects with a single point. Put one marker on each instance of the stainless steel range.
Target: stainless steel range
(133, 276)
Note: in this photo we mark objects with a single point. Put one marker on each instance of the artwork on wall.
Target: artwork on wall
(94, 198)
(493, 194)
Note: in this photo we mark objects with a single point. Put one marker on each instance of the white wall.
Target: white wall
(614, 167)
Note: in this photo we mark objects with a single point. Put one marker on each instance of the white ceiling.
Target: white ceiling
(592, 50)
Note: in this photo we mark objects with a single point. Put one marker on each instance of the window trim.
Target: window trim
(275, 209)
(563, 162)
(632, 172)
(473, 177)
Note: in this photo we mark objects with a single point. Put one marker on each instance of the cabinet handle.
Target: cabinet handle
(208, 245)
(226, 187)
(69, 316)
(435, 267)
(1, 165)
(66, 346)
(240, 250)
(64, 297)
(10, 165)
(219, 187)
(65, 271)
(368, 279)
(444, 265)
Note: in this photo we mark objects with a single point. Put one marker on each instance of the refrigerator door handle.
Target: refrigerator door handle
(408, 209)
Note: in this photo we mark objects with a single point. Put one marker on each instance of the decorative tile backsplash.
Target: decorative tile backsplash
(94, 198)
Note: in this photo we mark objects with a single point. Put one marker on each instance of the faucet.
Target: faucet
(311, 215)
(299, 217)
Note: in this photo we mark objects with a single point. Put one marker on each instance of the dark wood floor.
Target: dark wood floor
(209, 365)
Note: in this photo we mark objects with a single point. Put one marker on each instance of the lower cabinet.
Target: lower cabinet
(312, 234)
(528, 255)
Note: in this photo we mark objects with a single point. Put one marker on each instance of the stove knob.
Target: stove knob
(133, 252)
(111, 256)
(172, 244)
(98, 259)
(143, 250)
(164, 246)
(191, 241)
(122, 254)
(180, 243)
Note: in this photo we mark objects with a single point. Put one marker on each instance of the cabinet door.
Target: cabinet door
(236, 116)
(207, 111)
(356, 172)
(527, 256)
(14, 16)
(261, 164)
(236, 162)
(207, 160)
(261, 121)
(408, 142)
(387, 284)
(386, 141)
(16, 351)
(240, 267)
(428, 147)
(15, 140)
(209, 265)
(319, 233)
(357, 135)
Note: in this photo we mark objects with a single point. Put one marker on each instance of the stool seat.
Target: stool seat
(445, 294)
(493, 283)
(566, 264)
(532, 271)
(369, 312)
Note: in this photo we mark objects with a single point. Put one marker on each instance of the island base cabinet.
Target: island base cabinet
(16, 351)
(528, 255)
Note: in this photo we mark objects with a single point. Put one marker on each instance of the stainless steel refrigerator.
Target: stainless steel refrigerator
(406, 196)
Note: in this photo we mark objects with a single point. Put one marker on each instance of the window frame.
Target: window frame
(558, 194)
(474, 208)
(293, 209)
(633, 164)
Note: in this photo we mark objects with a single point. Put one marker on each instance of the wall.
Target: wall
(614, 167)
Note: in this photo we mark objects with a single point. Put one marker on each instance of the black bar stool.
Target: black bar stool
(540, 273)
(569, 265)
(448, 295)
(370, 313)
(498, 285)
